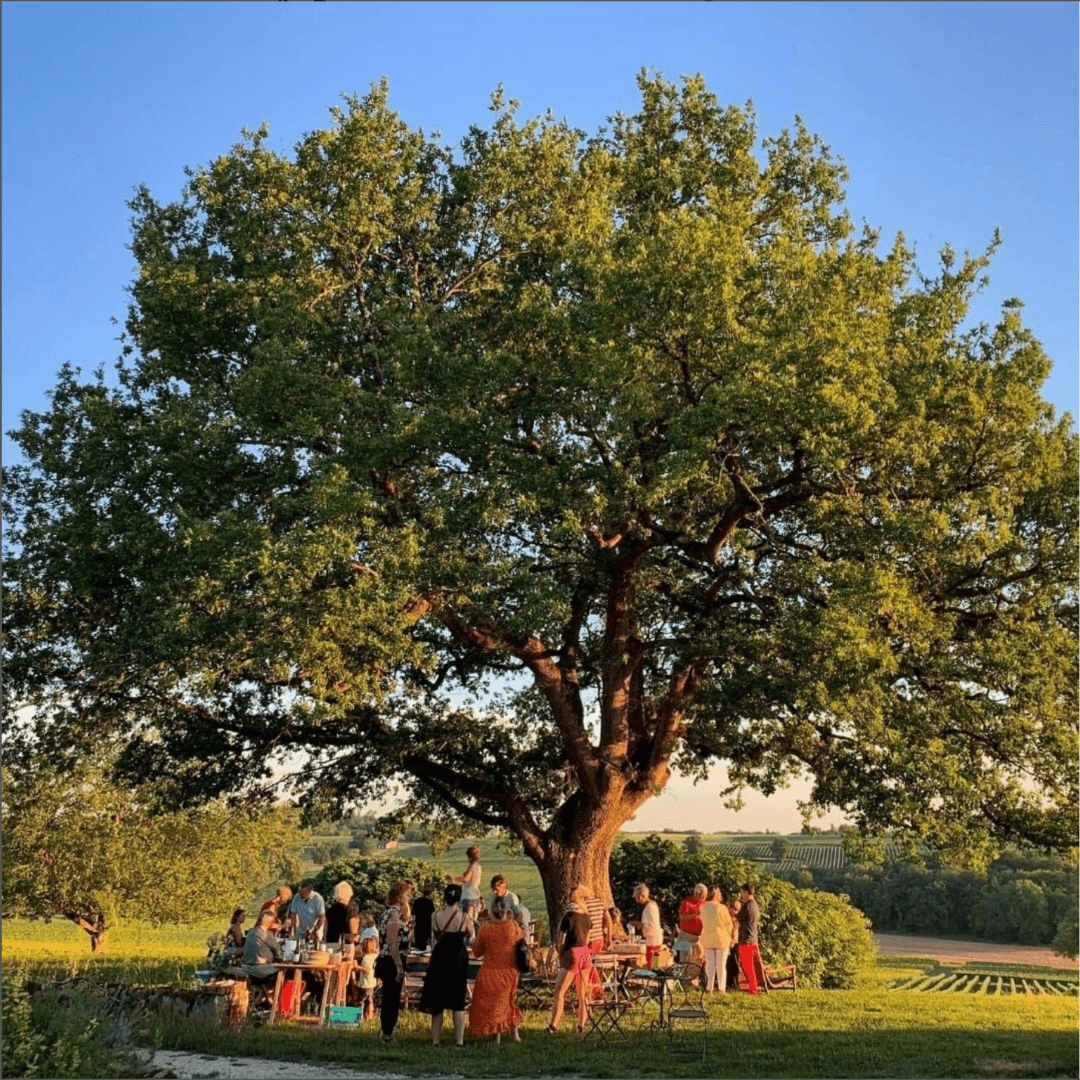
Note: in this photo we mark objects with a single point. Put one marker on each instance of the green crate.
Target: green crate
(344, 1015)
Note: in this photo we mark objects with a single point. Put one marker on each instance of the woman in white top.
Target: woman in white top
(470, 882)
(651, 929)
(715, 940)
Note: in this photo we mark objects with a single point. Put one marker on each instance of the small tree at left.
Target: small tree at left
(78, 846)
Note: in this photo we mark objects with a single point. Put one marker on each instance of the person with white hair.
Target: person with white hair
(343, 916)
(686, 944)
(652, 932)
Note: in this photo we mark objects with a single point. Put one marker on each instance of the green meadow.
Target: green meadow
(908, 1017)
(892, 1025)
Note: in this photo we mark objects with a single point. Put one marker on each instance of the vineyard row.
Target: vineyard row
(957, 982)
(824, 856)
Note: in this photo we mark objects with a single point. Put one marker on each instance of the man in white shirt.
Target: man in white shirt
(651, 930)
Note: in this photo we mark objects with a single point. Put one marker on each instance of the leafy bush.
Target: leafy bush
(1065, 940)
(61, 1034)
(372, 875)
(824, 935)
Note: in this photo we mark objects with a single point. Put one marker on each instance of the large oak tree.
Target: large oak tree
(529, 471)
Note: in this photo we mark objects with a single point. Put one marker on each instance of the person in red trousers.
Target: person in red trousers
(748, 938)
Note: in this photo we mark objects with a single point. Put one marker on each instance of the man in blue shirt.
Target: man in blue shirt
(307, 913)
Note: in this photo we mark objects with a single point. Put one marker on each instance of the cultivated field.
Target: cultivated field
(962, 981)
(825, 851)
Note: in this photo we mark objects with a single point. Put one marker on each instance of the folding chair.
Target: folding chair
(535, 988)
(606, 1013)
(532, 985)
(688, 1001)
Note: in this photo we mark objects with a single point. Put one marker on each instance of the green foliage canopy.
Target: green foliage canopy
(1020, 897)
(528, 471)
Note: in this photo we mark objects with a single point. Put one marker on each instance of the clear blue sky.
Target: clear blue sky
(953, 118)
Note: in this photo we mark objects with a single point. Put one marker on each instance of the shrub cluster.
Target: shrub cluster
(828, 938)
(372, 875)
(62, 1033)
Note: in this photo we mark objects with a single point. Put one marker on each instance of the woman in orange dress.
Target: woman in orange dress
(494, 1002)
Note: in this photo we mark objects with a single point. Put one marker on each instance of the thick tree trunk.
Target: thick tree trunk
(576, 850)
(96, 929)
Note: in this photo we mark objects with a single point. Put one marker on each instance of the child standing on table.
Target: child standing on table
(366, 976)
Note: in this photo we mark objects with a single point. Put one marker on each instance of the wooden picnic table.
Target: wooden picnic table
(334, 975)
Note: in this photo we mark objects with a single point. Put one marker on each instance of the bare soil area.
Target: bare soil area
(186, 1066)
(953, 952)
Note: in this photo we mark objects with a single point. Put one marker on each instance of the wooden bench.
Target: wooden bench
(770, 976)
(781, 977)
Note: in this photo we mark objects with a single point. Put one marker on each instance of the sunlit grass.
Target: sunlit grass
(805, 1034)
(871, 1032)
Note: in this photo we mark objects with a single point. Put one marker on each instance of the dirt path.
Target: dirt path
(185, 1066)
(964, 951)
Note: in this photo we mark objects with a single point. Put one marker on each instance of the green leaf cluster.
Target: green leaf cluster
(62, 1033)
(77, 846)
(371, 877)
(520, 472)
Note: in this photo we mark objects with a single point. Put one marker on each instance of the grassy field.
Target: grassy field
(889, 1027)
(911, 1017)
(806, 1034)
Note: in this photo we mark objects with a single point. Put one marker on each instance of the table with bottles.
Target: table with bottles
(333, 965)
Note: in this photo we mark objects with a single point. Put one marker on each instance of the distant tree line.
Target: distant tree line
(1022, 897)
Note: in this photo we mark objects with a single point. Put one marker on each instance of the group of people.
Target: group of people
(713, 930)
(718, 931)
(452, 932)
(463, 924)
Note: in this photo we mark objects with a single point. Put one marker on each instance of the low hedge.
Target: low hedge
(372, 875)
